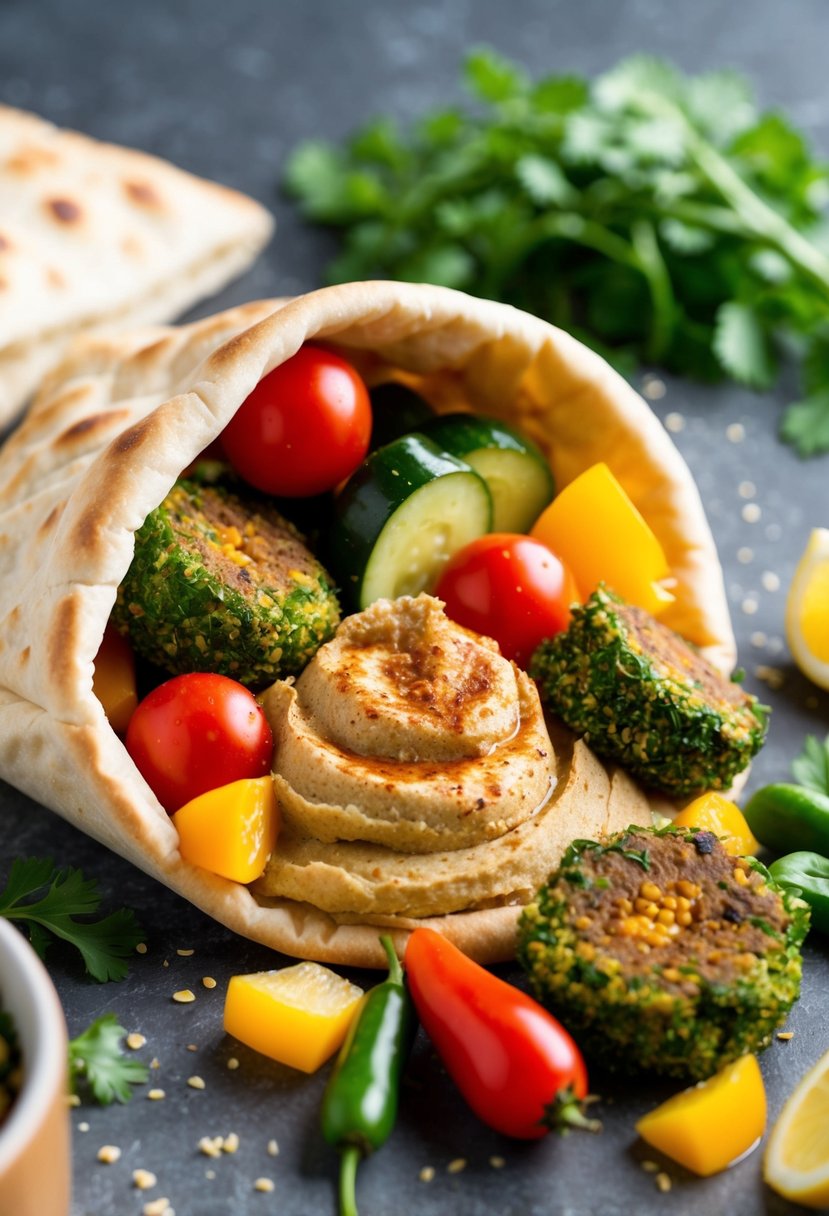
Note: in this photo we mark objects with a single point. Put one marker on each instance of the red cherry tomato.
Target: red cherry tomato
(511, 588)
(195, 733)
(304, 428)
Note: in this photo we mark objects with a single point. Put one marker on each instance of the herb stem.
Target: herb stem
(653, 267)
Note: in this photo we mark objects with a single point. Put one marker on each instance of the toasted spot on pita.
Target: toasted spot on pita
(143, 194)
(5, 243)
(25, 655)
(29, 158)
(132, 247)
(133, 436)
(233, 349)
(52, 518)
(152, 352)
(62, 638)
(54, 278)
(89, 425)
(64, 210)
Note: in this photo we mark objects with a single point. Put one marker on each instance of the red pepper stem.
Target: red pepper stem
(567, 1111)
(349, 1160)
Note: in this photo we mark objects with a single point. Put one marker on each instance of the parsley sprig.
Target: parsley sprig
(96, 1059)
(657, 214)
(49, 901)
(811, 768)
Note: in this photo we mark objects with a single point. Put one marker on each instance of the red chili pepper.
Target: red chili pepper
(518, 1069)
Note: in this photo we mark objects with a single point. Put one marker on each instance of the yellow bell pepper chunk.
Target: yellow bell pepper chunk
(595, 529)
(231, 830)
(711, 1125)
(712, 812)
(299, 1016)
(113, 680)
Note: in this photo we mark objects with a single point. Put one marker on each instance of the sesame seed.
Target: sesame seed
(192, 1047)
(674, 423)
(208, 981)
(109, 1153)
(427, 1173)
(166, 963)
(185, 953)
(195, 1082)
(772, 676)
(83, 1127)
(156, 1095)
(184, 996)
(158, 1207)
(771, 581)
(785, 1035)
(650, 1167)
(663, 1182)
(72, 1100)
(211, 1146)
(273, 1148)
(750, 605)
(210, 1174)
(141, 948)
(135, 1040)
(143, 1179)
(751, 512)
(735, 432)
(155, 1062)
(230, 1144)
(263, 1184)
(455, 1167)
(758, 639)
(745, 555)
(232, 1063)
(747, 489)
(497, 1163)
(653, 388)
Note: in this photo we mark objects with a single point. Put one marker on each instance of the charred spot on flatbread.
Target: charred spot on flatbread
(219, 585)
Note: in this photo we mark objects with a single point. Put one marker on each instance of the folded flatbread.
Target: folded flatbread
(96, 235)
(114, 426)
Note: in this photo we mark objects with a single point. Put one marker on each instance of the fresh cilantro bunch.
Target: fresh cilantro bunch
(49, 901)
(653, 213)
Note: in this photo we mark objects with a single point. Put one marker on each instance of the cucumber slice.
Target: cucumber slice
(515, 470)
(396, 410)
(402, 515)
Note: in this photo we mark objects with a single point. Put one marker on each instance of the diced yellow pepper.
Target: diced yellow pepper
(595, 529)
(713, 813)
(299, 1016)
(231, 830)
(711, 1125)
(113, 680)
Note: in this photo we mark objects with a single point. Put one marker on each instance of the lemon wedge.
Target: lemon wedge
(807, 610)
(797, 1156)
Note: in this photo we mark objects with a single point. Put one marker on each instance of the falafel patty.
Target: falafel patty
(640, 695)
(217, 584)
(662, 952)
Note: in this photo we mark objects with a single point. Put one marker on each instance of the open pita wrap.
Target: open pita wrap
(92, 234)
(114, 426)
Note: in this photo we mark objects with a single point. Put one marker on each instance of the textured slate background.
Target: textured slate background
(226, 90)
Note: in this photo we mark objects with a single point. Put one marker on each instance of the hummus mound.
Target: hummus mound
(416, 775)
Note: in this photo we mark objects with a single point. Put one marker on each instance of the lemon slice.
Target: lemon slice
(797, 1155)
(807, 610)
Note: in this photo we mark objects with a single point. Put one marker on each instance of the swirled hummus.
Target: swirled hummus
(416, 775)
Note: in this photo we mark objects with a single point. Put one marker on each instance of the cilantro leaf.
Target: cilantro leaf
(741, 346)
(811, 767)
(50, 900)
(95, 1058)
(805, 424)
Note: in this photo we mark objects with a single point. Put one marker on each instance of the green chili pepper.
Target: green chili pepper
(790, 817)
(360, 1101)
(806, 875)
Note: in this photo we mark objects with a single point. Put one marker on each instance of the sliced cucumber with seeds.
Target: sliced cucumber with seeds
(402, 515)
(515, 470)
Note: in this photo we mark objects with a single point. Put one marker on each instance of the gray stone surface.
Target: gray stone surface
(226, 90)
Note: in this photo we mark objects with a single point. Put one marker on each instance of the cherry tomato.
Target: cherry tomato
(195, 733)
(304, 428)
(511, 588)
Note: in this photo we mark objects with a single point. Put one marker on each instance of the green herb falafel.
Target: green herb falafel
(217, 584)
(640, 695)
(663, 953)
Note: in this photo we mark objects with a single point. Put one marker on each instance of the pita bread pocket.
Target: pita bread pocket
(113, 428)
(96, 235)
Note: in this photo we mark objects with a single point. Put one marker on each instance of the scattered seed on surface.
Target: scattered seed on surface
(156, 1095)
(747, 489)
(166, 963)
(192, 1047)
(230, 1144)
(135, 1040)
(273, 1148)
(735, 432)
(143, 1179)
(109, 1153)
(210, 1174)
(751, 512)
(427, 1173)
(497, 1163)
(770, 580)
(785, 1035)
(232, 1063)
(72, 1100)
(263, 1184)
(650, 1167)
(455, 1167)
(158, 1207)
(759, 639)
(674, 423)
(749, 605)
(155, 1062)
(745, 555)
(772, 676)
(141, 948)
(83, 1127)
(653, 388)
(195, 1082)
(211, 1146)
(184, 996)
(208, 981)
(775, 645)
(663, 1182)
(185, 953)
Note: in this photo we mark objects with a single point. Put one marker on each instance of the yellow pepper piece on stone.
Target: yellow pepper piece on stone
(113, 680)
(599, 534)
(709, 1126)
(299, 1016)
(712, 812)
(231, 830)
